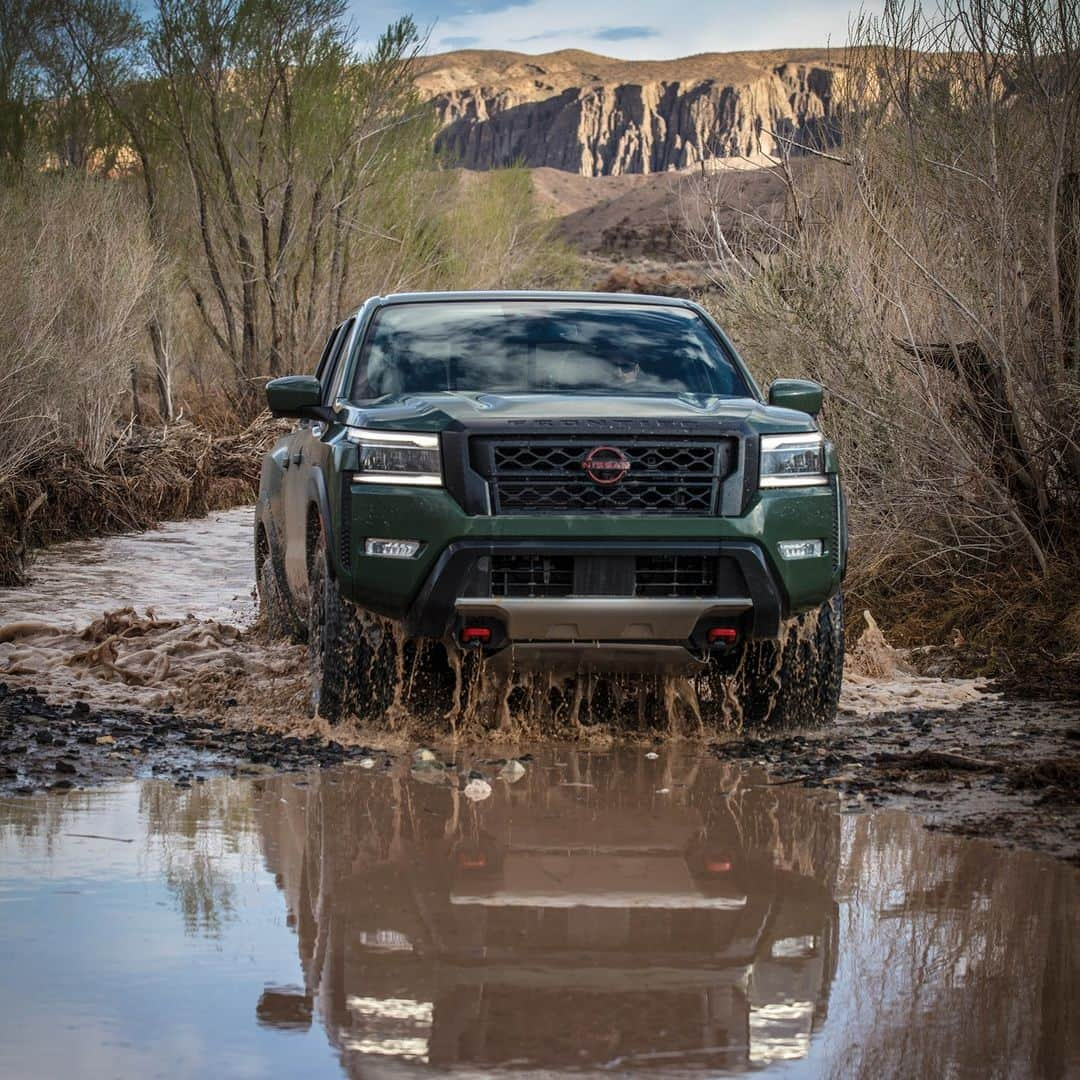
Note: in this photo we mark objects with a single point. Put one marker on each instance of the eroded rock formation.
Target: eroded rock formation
(597, 116)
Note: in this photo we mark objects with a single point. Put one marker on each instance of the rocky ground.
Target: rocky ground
(46, 747)
(1004, 769)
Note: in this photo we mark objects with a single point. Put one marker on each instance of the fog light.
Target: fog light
(392, 549)
(800, 549)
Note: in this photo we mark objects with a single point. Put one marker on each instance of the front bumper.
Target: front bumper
(457, 590)
(423, 591)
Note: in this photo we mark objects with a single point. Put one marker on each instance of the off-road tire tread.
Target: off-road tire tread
(276, 615)
(792, 682)
(350, 659)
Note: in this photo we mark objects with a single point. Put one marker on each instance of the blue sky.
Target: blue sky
(633, 29)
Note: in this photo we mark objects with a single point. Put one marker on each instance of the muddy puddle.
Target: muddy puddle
(607, 913)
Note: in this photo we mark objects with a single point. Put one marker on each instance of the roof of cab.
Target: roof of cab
(534, 294)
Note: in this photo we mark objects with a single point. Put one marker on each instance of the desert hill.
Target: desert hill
(598, 116)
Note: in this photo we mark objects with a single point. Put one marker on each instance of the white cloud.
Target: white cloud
(676, 30)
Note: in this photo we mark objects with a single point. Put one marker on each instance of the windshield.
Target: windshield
(530, 346)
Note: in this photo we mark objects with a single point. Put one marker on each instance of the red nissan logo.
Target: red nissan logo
(606, 465)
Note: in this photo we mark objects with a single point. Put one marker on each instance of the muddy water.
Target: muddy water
(605, 913)
(201, 572)
(203, 568)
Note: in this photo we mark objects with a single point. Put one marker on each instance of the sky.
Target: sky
(630, 29)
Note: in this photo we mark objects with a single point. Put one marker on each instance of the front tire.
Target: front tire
(276, 615)
(350, 655)
(792, 682)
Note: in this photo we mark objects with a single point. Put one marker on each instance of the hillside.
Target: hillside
(635, 214)
(597, 116)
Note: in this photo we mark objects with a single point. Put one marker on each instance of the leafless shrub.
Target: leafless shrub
(928, 272)
(78, 274)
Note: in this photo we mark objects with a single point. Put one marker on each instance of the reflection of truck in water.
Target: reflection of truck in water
(557, 925)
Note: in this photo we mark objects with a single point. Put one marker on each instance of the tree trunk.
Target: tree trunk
(162, 370)
(1068, 260)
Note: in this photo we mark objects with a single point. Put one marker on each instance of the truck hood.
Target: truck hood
(447, 411)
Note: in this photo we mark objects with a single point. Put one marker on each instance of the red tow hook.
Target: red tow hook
(475, 635)
(722, 635)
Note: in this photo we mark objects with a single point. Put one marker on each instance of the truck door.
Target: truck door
(305, 451)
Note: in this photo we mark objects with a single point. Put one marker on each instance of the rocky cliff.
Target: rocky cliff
(597, 116)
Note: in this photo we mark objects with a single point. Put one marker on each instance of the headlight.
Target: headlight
(396, 457)
(793, 460)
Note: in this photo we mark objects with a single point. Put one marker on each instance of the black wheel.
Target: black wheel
(276, 615)
(350, 654)
(792, 682)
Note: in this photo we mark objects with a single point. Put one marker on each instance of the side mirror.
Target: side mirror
(802, 395)
(294, 395)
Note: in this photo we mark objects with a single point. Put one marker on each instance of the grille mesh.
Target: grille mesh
(532, 575)
(675, 575)
(547, 476)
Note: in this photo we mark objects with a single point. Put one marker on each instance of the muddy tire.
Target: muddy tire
(350, 658)
(793, 682)
(276, 615)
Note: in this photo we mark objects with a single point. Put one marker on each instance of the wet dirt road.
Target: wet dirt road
(602, 912)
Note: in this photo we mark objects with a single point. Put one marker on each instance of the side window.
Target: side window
(339, 357)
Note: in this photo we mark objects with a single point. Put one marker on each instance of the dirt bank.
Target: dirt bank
(59, 747)
(152, 474)
(1002, 769)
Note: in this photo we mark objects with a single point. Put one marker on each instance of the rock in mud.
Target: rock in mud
(477, 790)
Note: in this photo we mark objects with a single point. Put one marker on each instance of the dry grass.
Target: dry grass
(78, 274)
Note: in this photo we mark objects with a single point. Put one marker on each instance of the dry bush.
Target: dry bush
(928, 273)
(149, 474)
(78, 275)
(497, 239)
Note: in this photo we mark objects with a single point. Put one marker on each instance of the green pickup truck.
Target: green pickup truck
(576, 483)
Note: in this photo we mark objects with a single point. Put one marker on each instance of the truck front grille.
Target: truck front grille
(675, 575)
(549, 475)
(663, 576)
(532, 575)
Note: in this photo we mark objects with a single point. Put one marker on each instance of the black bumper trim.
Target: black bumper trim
(432, 614)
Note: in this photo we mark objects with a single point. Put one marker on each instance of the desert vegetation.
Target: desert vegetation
(192, 194)
(927, 271)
